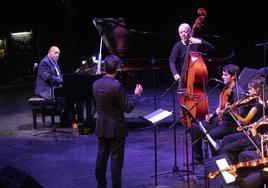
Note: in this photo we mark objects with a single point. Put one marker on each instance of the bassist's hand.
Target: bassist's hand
(208, 117)
(177, 77)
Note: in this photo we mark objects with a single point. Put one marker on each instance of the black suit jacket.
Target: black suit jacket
(111, 103)
(47, 78)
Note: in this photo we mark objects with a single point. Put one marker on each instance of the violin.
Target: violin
(261, 123)
(257, 163)
(242, 102)
(245, 101)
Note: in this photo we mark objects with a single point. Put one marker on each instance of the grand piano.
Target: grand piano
(144, 55)
(141, 53)
(146, 52)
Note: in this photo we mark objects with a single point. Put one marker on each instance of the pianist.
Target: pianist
(49, 75)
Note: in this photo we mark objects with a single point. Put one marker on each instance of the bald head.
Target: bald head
(53, 48)
(54, 53)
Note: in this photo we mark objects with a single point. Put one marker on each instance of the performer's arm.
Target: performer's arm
(246, 120)
(173, 62)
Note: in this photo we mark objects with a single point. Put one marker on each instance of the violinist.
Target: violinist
(221, 123)
(252, 180)
(255, 176)
(178, 54)
(236, 143)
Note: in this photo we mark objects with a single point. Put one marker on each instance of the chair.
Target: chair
(42, 106)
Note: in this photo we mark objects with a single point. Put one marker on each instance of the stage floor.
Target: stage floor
(68, 159)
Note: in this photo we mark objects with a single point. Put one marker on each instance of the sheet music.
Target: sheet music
(158, 115)
(222, 164)
(212, 142)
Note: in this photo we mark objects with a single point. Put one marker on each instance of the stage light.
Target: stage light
(22, 34)
(25, 35)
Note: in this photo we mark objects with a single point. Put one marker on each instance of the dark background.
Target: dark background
(68, 24)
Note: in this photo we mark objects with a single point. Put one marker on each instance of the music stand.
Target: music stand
(207, 137)
(187, 112)
(218, 170)
(154, 119)
(175, 168)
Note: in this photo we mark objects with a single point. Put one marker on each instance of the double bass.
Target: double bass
(195, 77)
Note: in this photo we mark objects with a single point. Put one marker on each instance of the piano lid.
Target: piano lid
(139, 49)
(132, 44)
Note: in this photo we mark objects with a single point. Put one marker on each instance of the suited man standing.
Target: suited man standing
(49, 75)
(111, 130)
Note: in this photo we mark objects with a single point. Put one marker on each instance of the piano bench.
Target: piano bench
(41, 106)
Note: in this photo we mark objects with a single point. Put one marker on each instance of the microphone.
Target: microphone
(217, 80)
(35, 66)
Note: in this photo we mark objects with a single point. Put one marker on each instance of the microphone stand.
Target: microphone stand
(100, 30)
(99, 59)
(184, 118)
(179, 91)
(210, 91)
(152, 61)
(175, 168)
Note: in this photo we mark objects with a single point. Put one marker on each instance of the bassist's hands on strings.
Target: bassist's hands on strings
(208, 117)
(193, 40)
(177, 77)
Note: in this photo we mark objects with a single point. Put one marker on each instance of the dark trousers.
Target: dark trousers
(106, 148)
(215, 130)
(252, 180)
(234, 144)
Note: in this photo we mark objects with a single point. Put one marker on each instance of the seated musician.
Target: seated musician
(49, 75)
(221, 123)
(48, 79)
(234, 144)
(250, 172)
(240, 149)
(255, 177)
